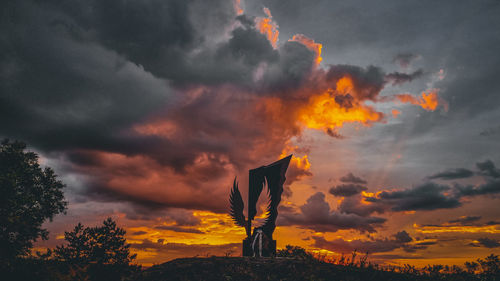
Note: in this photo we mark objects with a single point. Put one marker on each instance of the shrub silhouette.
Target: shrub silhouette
(29, 196)
(98, 253)
(104, 244)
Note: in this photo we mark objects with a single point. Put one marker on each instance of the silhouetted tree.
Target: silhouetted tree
(29, 195)
(97, 253)
(104, 244)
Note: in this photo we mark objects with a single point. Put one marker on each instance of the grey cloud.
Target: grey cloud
(347, 190)
(339, 245)
(316, 214)
(466, 220)
(353, 205)
(399, 78)
(489, 132)
(489, 169)
(488, 243)
(368, 81)
(428, 196)
(352, 179)
(459, 173)
(490, 187)
(403, 237)
(405, 59)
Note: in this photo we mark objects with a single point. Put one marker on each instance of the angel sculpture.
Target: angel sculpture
(260, 243)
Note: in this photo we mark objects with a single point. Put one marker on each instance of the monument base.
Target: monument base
(248, 252)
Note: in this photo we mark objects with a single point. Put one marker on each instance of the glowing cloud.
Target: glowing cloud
(428, 101)
(268, 27)
(311, 45)
(238, 7)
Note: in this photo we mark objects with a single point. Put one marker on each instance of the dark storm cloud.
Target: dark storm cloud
(488, 243)
(399, 78)
(350, 178)
(347, 190)
(490, 187)
(428, 196)
(316, 215)
(354, 205)
(369, 81)
(488, 169)
(452, 174)
(400, 240)
(472, 221)
(403, 237)
(466, 220)
(128, 91)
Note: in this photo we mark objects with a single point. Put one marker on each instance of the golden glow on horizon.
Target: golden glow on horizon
(460, 229)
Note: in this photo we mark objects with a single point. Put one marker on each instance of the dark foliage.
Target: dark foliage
(294, 252)
(104, 244)
(29, 196)
(97, 253)
(299, 265)
(91, 254)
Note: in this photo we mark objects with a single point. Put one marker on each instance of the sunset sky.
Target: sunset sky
(147, 110)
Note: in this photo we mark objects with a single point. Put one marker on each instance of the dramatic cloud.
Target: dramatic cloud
(316, 214)
(428, 196)
(350, 178)
(148, 110)
(488, 169)
(347, 189)
(488, 243)
(465, 220)
(400, 240)
(452, 174)
(490, 187)
(159, 103)
(399, 78)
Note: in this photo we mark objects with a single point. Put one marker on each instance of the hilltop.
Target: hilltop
(243, 268)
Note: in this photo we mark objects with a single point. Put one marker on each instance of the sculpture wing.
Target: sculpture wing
(256, 182)
(271, 215)
(275, 178)
(237, 205)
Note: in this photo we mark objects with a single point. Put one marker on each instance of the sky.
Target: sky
(147, 110)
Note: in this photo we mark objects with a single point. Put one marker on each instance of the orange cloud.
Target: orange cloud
(268, 27)
(238, 7)
(428, 101)
(311, 45)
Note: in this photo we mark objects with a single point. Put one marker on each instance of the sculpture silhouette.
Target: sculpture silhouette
(260, 242)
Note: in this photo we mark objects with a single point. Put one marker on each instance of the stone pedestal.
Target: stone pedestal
(248, 252)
